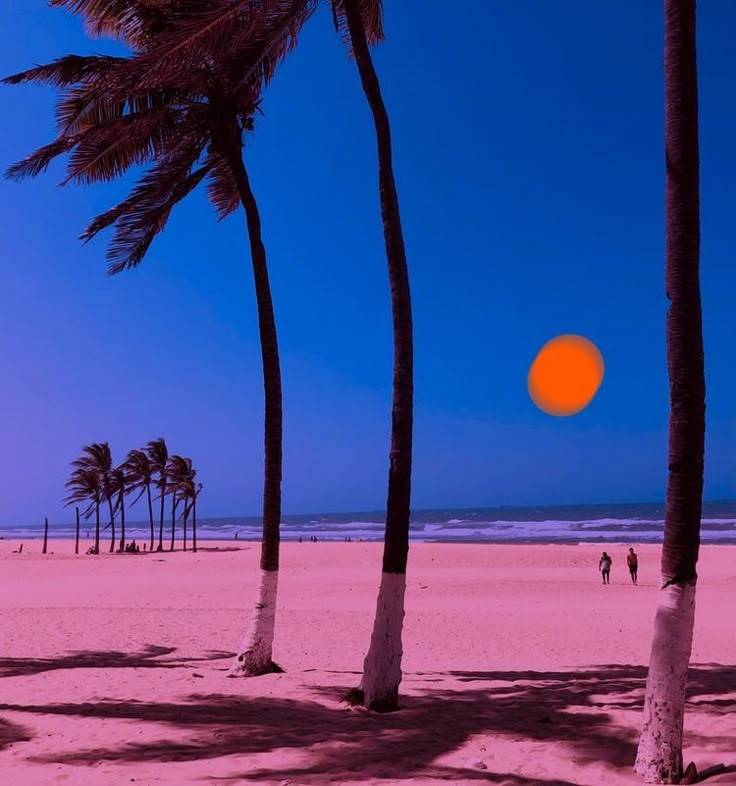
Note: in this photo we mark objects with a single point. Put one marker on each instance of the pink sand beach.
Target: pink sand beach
(520, 667)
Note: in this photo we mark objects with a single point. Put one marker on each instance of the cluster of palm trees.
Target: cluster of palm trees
(181, 104)
(96, 482)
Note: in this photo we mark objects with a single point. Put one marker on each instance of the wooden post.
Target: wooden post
(76, 543)
(45, 534)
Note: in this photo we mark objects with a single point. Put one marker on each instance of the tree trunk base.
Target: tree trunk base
(659, 756)
(255, 654)
(382, 665)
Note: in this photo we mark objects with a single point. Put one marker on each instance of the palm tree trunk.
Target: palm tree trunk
(174, 503)
(659, 757)
(76, 541)
(122, 521)
(112, 523)
(255, 655)
(97, 527)
(150, 514)
(161, 520)
(45, 535)
(184, 524)
(194, 523)
(382, 666)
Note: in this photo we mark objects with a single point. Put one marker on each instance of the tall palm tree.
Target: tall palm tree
(97, 457)
(119, 485)
(189, 123)
(382, 667)
(158, 457)
(139, 472)
(85, 487)
(659, 757)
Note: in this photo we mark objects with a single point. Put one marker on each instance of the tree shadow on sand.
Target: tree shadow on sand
(11, 733)
(151, 656)
(348, 744)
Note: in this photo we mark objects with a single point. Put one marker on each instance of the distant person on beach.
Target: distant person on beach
(633, 562)
(604, 566)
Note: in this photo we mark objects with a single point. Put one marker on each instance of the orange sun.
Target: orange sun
(565, 375)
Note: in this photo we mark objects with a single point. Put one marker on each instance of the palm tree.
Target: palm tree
(97, 457)
(188, 123)
(158, 458)
(119, 485)
(176, 472)
(659, 757)
(195, 496)
(379, 688)
(139, 472)
(85, 487)
(181, 481)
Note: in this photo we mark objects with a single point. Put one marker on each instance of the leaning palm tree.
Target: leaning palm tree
(195, 497)
(85, 487)
(176, 472)
(158, 458)
(659, 757)
(138, 470)
(379, 688)
(97, 457)
(119, 485)
(181, 481)
(189, 125)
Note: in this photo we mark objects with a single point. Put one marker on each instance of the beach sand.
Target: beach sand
(516, 659)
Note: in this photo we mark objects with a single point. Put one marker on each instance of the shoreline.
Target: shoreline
(613, 542)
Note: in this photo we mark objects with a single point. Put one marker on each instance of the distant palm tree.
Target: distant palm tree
(85, 487)
(120, 487)
(195, 496)
(175, 470)
(189, 124)
(659, 756)
(139, 472)
(158, 457)
(97, 457)
(181, 476)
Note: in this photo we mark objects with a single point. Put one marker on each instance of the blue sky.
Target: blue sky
(529, 161)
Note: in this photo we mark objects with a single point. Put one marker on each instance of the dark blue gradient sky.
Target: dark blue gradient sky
(528, 150)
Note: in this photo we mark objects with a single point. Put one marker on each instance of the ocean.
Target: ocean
(610, 523)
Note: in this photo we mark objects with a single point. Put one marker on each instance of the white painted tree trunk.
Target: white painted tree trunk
(382, 665)
(256, 651)
(659, 757)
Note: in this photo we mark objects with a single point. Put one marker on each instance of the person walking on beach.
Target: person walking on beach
(604, 566)
(633, 562)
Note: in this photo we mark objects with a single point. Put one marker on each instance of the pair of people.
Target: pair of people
(632, 561)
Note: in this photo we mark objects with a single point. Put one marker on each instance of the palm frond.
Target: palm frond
(158, 454)
(252, 34)
(38, 161)
(221, 186)
(108, 150)
(140, 217)
(65, 71)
